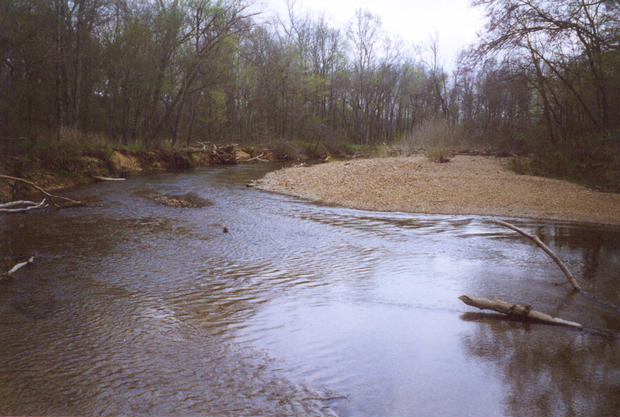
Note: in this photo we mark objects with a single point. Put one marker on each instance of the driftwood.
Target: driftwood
(12, 207)
(258, 158)
(100, 178)
(225, 154)
(515, 310)
(207, 146)
(12, 204)
(51, 197)
(548, 251)
(17, 203)
(20, 266)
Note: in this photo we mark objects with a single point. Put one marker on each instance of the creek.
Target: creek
(136, 308)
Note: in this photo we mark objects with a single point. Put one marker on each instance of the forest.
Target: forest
(543, 80)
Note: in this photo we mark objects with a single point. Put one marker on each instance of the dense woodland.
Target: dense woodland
(544, 75)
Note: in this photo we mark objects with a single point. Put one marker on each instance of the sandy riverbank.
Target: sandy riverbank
(466, 185)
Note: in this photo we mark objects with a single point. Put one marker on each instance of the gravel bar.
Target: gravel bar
(478, 185)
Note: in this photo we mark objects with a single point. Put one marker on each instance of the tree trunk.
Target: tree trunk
(60, 9)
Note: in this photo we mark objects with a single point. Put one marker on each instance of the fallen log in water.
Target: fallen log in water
(100, 178)
(548, 251)
(13, 206)
(516, 310)
(51, 197)
(17, 203)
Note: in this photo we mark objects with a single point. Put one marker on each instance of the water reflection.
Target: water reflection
(554, 371)
(550, 372)
(137, 308)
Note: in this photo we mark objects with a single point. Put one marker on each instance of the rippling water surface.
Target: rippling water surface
(141, 309)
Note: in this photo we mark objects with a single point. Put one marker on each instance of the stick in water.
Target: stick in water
(20, 266)
(548, 251)
(100, 178)
(51, 196)
(28, 205)
(515, 310)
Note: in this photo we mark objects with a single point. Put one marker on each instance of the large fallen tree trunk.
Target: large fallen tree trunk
(68, 202)
(515, 310)
(548, 251)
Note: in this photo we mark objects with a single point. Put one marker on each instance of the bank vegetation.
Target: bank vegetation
(87, 77)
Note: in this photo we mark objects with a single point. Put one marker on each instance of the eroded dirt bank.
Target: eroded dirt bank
(466, 185)
(125, 163)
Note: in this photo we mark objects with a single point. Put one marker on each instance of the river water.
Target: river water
(135, 308)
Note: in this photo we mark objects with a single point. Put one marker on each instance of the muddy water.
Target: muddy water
(136, 308)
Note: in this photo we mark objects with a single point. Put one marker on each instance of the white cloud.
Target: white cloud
(414, 21)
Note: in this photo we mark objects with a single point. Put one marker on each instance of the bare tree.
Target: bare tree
(565, 44)
(363, 32)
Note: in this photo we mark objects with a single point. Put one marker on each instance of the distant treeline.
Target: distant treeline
(149, 70)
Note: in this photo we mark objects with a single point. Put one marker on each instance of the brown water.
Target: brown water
(141, 309)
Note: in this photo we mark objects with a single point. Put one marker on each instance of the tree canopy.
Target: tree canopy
(184, 70)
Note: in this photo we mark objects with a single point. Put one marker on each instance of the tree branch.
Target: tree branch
(544, 247)
(515, 310)
(17, 203)
(51, 196)
(29, 205)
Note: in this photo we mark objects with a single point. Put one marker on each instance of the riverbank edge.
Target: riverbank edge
(123, 163)
(283, 182)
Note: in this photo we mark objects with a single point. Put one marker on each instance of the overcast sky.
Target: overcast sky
(414, 21)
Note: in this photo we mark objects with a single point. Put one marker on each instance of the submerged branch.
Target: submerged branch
(548, 251)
